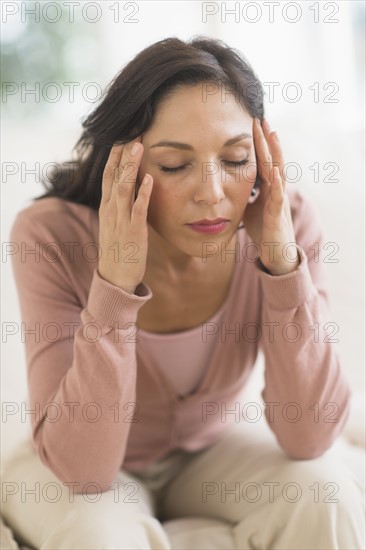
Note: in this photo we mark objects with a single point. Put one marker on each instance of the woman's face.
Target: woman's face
(196, 177)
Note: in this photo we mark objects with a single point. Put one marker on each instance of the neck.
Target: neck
(164, 257)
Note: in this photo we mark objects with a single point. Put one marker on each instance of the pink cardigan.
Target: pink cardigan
(100, 402)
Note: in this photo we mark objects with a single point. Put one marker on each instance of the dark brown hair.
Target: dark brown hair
(131, 101)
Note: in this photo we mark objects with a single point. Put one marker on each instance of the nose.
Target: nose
(209, 188)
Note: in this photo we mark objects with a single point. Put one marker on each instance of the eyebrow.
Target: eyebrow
(185, 146)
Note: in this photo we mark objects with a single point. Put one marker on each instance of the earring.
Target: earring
(253, 192)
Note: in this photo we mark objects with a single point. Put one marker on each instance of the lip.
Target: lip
(209, 228)
(209, 222)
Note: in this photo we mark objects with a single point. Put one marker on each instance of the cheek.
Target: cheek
(249, 172)
(247, 175)
(164, 203)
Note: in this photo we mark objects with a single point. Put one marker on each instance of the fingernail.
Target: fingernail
(135, 149)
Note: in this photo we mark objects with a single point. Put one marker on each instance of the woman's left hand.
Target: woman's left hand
(268, 220)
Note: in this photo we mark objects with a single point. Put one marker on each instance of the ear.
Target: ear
(256, 188)
(253, 198)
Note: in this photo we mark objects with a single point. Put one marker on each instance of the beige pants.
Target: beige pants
(266, 500)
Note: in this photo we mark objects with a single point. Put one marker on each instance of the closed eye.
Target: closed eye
(237, 163)
(179, 168)
(172, 170)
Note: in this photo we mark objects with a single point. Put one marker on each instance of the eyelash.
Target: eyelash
(179, 168)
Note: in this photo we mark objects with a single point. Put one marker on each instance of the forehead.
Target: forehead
(193, 109)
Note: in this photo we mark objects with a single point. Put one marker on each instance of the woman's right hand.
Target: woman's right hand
(123, 234)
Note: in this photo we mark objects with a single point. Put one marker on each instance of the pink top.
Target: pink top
(182, 357)
(105, 398)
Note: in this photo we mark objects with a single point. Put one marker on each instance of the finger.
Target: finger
(278, 158)
(141, 205)
(110, 172)
(130, 167)
(269, 135)
(266, 128)
(276, 202)
(122, 195)
(275, 149)
(264, 158)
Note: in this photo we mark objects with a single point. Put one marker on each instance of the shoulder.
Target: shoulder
(303, 209)
(302, 206)
(55, 218)
(305, 217)
(52, 248)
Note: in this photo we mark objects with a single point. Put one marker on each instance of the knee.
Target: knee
(80, 536)
(80, 530)
(326, 483)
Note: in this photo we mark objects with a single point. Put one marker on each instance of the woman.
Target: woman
(150, 322)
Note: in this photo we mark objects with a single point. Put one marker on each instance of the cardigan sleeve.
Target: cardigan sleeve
(81, 361)
(306, 394)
